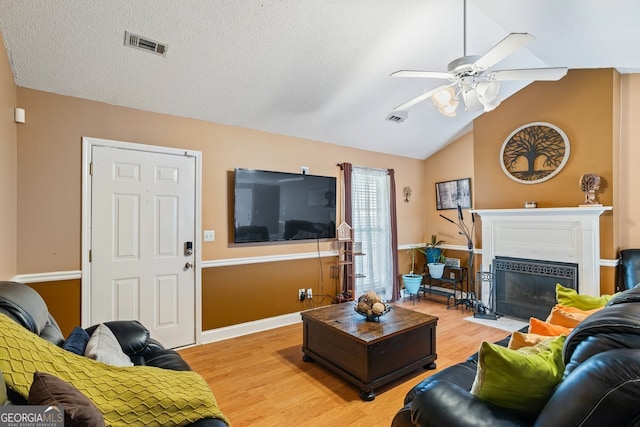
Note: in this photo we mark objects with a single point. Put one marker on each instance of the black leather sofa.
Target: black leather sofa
(629, 269)
(26, 307)
(600, 387)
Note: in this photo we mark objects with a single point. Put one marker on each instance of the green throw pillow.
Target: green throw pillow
(521, 380)
(570, 298)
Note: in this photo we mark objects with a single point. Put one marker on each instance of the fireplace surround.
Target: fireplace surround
(565, 235)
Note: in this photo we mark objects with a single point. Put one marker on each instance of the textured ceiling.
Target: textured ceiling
(306, 68)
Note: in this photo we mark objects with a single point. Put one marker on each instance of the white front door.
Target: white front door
(142, 229)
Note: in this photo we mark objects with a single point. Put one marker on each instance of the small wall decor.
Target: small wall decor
(406, 192)
(589, 184)
(450, 194)
(452, 262)
(344, 232)
(534, 153)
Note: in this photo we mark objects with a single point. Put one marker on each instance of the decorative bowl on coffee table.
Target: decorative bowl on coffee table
(370, 316)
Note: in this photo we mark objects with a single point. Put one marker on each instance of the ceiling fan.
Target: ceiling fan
(469, 77)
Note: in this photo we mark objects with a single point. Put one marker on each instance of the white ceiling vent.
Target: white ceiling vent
(144, 43)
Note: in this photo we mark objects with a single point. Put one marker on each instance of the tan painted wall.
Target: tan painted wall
(8, 169)
(49, 172)
(581, 104)
(585, 104)
(628, 202)
(49, 196)
(453, 162)
(49, 182)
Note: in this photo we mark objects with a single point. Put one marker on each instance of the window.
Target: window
(372, 226)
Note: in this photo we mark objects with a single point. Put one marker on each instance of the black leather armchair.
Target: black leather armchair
(26, 307)
(629, 269)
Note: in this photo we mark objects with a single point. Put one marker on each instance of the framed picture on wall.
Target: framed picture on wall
(450, 194)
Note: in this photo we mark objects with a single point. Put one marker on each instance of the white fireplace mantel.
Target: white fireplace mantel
(550, 234)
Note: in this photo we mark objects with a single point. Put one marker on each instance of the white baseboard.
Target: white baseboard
(246, 328)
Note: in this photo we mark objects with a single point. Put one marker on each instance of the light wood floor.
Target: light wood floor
(261, 380)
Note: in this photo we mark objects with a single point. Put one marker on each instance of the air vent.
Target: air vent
(144, 43)
(398, 116)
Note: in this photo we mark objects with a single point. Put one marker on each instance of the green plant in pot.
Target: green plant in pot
(432, 250)
(437, 268)
(412, 281)
(435, 257)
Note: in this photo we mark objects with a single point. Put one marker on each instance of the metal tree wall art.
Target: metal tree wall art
(534, 153)
(589, 184)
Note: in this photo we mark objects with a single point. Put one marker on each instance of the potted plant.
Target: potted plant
(432, 250)
(412, 281)
(437, 268)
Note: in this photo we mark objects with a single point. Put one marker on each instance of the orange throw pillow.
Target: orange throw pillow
(568, 317)
(519, 340)
(537, 326)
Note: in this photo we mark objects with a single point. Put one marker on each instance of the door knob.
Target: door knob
(188, 265)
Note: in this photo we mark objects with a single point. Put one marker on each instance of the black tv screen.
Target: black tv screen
(277, 206)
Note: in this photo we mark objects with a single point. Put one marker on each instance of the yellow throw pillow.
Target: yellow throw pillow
(521, 380)
(537, 326)
(568, 317)
(570, 298)
(520, 339)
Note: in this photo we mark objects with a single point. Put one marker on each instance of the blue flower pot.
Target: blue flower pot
(412, 283)
(433, 255)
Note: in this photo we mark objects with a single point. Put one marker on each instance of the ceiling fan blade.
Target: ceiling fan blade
(504, 48)
(549, 74)
(418, 99)
(422, 74)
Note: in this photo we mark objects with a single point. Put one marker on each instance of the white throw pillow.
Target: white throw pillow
(104, 347)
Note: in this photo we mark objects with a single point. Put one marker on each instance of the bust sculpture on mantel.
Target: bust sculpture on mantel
(589, 184)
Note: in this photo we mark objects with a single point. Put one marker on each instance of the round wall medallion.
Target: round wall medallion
(534, 153)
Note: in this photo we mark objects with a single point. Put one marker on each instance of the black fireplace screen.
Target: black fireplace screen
(525, 288)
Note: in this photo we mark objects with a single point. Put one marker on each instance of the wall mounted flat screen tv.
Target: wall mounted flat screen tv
(279, 206)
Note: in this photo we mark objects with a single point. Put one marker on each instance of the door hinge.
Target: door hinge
(91, 168)
(90, 255)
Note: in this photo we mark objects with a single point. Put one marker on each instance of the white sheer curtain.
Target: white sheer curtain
(372, 226)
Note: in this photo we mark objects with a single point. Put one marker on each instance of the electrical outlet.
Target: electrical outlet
(301, 295)
(304, 170)
(309, 293)
(209, 235)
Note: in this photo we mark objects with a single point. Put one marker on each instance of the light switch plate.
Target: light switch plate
(209, 235)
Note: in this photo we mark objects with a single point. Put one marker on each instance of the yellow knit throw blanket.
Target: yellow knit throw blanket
(126, 396)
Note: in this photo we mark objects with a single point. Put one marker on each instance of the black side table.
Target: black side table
(456, 276)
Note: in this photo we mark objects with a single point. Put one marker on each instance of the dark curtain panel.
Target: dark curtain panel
(348, 218)
(394, 234)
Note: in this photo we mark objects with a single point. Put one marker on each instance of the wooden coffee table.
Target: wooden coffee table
(369, 353)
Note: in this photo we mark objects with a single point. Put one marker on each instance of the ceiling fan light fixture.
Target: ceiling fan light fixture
(490, 105)
(446, 101)
(489, 94)
(443, 97)
(471, 101)
(488, 90)
(449, 110)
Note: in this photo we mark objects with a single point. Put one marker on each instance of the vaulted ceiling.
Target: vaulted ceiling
(307, 68)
